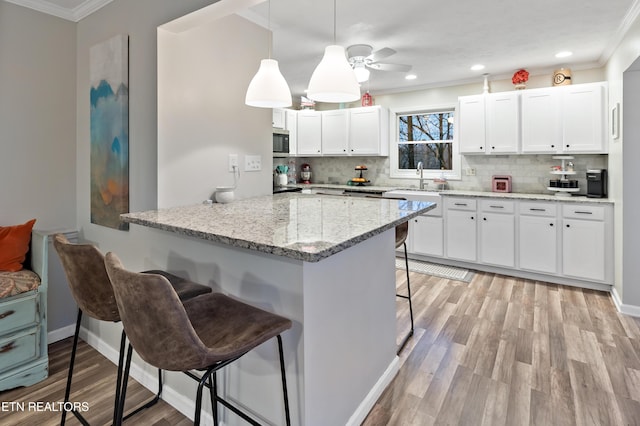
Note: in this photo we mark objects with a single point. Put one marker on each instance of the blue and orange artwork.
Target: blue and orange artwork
(109, 70)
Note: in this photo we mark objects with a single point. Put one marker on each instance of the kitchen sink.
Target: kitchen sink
(418, 195)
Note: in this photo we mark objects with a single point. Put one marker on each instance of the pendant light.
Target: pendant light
(333, 80)
(268, 88)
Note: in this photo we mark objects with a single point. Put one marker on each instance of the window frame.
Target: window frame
(454, 174)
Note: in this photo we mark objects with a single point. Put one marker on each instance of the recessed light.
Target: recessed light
(564, 54)
(477, 67)
(410, 77)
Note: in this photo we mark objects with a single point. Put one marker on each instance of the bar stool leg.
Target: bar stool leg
(408, 297)
(284, 382)
(67, 390)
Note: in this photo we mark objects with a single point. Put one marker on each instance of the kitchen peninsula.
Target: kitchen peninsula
(325, 262)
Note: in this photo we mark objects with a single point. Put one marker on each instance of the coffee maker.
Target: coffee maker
(597, 183)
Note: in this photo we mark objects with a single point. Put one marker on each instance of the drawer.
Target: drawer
(454, 203)
(19, 348)
(18, 312)
(581, 211)
(497, 206)
(538, 209)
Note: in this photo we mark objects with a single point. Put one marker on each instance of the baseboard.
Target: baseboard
(374, 394)
(631, 310)
(148, 378)
(60, 333)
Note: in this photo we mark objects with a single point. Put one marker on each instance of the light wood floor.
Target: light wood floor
(496, 351)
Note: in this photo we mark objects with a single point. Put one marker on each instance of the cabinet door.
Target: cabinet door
(538, 243)
(583, 119)
(583, 244)
(461, 234)
(471, 124)
(309, 133)
(278, 118)
(365, 131)
(292, 126)
(503, 123)
(426, 235)
(497, 239)
(335, 132)
(541, 123)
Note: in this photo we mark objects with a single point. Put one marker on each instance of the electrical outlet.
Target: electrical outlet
(233, 162)
(252, 163)
(471, 172)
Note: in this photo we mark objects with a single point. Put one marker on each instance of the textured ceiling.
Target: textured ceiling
(440, 39)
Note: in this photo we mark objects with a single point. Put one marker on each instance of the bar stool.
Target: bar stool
(206, 333)
(402, 231)
(90, 286)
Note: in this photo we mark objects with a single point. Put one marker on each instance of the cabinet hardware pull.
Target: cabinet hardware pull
(484, 218)
(6, 314)
(537, 210)
(568, 226)
(459, 204)
(497, 207)
(553, 146)
(472, 218)
(582, 212)
(551, 224)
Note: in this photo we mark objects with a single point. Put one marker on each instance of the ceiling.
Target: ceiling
(441, 40)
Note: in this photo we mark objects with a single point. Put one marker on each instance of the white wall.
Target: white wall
(202, 82)
(37, 118)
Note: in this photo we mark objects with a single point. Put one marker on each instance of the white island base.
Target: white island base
(340, 353)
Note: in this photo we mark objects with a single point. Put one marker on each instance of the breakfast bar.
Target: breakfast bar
(325, 262)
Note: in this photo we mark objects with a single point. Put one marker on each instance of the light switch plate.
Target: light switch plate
(252, 163)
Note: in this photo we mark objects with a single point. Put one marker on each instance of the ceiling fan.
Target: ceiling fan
(361, 57)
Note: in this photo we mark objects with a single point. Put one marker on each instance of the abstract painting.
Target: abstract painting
(109, 78)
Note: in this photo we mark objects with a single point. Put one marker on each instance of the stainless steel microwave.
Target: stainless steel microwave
(280, 142)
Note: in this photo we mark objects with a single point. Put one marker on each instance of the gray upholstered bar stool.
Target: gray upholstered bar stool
(205, 333)
(90, 286)
(402, 231)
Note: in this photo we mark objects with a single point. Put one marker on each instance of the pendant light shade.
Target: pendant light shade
(333, 79)
(268, 88)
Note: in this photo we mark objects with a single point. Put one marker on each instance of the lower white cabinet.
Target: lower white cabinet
(426, 233)
(538, 242)
(460, 228)
(584, 242)
(497, 233)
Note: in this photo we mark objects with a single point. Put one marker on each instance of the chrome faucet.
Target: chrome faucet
(419, 170)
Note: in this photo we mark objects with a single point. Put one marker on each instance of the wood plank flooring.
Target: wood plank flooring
(495, 351)
(508, 351)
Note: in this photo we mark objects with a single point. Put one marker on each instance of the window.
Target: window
(426, 136)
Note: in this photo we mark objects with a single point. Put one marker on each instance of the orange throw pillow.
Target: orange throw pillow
(14, 245)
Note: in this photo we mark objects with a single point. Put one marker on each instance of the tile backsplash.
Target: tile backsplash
(529, 173)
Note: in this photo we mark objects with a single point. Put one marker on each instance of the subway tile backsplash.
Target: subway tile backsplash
(529, 173)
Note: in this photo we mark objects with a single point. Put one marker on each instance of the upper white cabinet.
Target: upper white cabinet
(369, 131)
(489, 123)
(291, 124)
(309, 140)
(335, 132)
(471, 124)
(278, 120)
(567, 119)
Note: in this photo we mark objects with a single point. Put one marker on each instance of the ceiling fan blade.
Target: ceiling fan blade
(380, 54)
(390, 67)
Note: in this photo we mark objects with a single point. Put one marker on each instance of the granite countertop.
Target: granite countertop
(305, 227)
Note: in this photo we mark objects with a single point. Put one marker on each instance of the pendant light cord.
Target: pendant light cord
(334, 22)
(269, 27)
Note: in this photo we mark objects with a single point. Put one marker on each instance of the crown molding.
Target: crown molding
(79, 12)
(614, 42)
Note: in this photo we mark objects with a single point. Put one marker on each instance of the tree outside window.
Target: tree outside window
(426, 137)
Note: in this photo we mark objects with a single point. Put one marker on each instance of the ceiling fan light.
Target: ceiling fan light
(362, 73)
(333, 80)
(268, 88)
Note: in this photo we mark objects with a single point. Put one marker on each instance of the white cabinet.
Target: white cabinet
(369, 131)
(564, 119)
(489, 124)
(584, 242)
(426, 234)
(497, 233)
(460, 228)
(291, 124)
(335, 132)
(278, 120)
(471, 128)
(309, 140)
(502, 123)
(538, 239)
